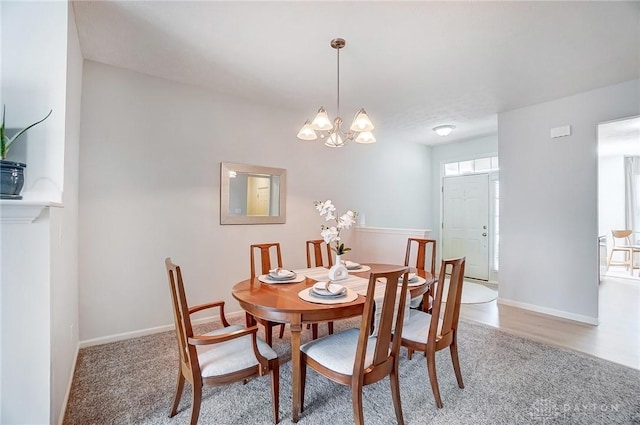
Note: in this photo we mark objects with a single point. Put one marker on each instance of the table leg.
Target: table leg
(296, 329)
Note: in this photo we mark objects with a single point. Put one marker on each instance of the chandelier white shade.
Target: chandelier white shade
(444, 130)
(332, 133)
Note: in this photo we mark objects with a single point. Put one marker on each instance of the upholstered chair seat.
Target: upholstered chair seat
(417, 327)
(231, 356)
(338, 353)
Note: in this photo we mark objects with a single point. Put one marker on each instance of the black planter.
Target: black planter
(11, 179)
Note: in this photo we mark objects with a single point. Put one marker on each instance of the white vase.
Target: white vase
(338, 271)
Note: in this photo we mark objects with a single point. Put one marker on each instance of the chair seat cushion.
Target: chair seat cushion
(338, 351)
(417, 327)
(415, 303)
(230, 356)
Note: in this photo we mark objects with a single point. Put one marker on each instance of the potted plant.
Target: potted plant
(11, 172)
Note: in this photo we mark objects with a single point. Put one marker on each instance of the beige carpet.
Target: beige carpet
(473, 293)
(508, 380)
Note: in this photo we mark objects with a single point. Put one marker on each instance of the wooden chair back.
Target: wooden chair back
(445, 335)
(369, 365)
(624, 235)
(441, 329)
(188, 355)
(265, 251)
(426, 248)
(316, 247)
(387, 349)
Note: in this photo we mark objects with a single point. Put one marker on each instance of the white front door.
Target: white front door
(465, 222)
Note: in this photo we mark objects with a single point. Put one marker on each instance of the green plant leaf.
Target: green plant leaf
(6, 142)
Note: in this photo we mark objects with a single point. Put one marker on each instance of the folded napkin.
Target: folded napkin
(328, 287)
(281, 273)
(411, 276)
(351, 264)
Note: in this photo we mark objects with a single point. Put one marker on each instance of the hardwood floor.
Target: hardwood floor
(616, 338)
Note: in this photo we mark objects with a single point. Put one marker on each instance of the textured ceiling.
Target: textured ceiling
(412, 65)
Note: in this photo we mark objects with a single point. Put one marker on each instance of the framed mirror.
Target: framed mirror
(251, 194)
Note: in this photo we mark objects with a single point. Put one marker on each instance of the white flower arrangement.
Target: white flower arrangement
(331, 234)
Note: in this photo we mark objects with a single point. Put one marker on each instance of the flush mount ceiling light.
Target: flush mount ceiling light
(335, 136)
(444, 130)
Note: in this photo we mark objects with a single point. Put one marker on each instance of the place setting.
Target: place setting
(352, 266)
(281, 275)
(413, 279)
(328, 292)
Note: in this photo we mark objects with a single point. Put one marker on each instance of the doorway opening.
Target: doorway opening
(619, 198)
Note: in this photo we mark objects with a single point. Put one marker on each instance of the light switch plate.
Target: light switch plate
(561, 131)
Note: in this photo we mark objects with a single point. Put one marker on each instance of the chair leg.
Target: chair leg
(275, 388)
(431, 366)
(330, 327)
(314, 331)
(281, 331)
(356, 398)
(409, 353)
(303, 381)
(178, 396)
(456, 363)
(196, 398)
(395, 393)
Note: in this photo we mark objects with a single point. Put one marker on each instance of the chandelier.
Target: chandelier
(335, 135)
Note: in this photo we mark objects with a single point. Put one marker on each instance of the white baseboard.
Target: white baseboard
(66, 396)
(550, 311)
(150, 331)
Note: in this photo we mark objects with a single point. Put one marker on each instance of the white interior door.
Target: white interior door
(465, 222)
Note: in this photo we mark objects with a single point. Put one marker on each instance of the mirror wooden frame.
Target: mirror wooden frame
(226, 168)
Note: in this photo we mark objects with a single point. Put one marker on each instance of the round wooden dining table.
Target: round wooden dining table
(280, 303)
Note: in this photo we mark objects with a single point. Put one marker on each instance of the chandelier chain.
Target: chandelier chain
(338, 111)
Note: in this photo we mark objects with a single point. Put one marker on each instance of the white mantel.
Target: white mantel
(14, 211)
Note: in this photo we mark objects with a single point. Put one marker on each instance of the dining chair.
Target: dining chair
(358, 357)
(621, 243)
(423, 246)
(265, 254)
(317, 247)
(229, 354)
(429, 333)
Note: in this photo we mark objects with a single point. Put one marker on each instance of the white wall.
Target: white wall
(149, 188)
(25, 322)
(64, 252)
(39, 279)
(34, 44)
(548, 207)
